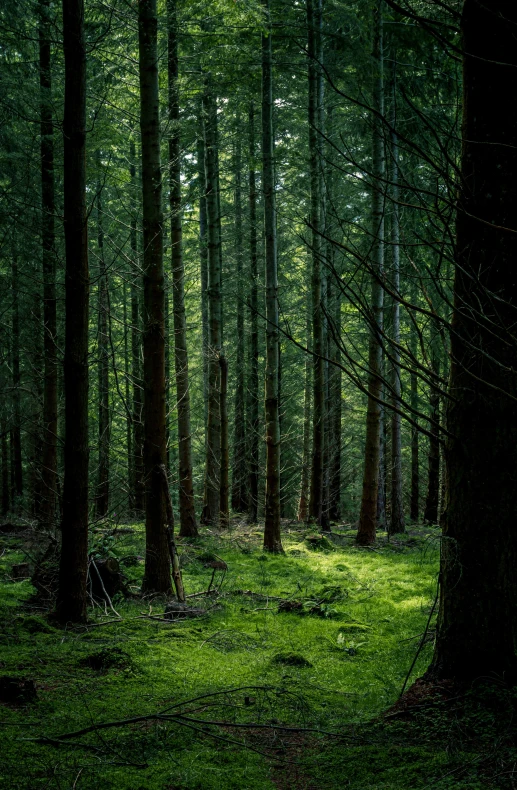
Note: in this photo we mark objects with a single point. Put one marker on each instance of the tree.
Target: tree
(212, 504)
(272, 539)
(368, 515)
(476, 628)
(188, 525)
(49, 456)
(157, 576)
(71, 600)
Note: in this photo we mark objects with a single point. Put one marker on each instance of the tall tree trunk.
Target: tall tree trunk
(17, 419)
(102, 495)
(188, 525)
(157, 576)
(476, 633)
(239, 497)
(415, 461)
(127, 395)
(397, 523)
(71, 600)
(49, 455)
(368, 515)
(224, 511)
(334, 300)
(433, 478)
(203, 257)
(213, 447)
(5, 466)
(272, 539)
(303, 503)
(253, 391)
(138, 485)
(316, 211)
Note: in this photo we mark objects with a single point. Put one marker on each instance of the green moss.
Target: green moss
(350, 673)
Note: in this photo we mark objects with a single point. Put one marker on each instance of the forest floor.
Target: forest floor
(289, 679)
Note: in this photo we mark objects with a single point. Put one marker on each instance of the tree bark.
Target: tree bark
(5, 466)
(17, 420)
(71, 600)
(188, 525)
(102, 495)
(433, 477)
(303, 503)
(316, 211)
(203, 259)
(415, 461)
(397, 523)
(138, 486)
(239, 492)
(368, 515)
(224, 511)
(272, 538)
(476, 634)
(253, 391)
(213, 446)
(49, 456)
(157, 566)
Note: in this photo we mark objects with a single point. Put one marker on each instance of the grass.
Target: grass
(335, 665)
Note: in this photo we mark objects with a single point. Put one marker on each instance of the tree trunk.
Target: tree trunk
(316, 211)
(127, 395)
(415, 461)
(368, 515)
(303, 504)
(17, 419)
(102, 496)
(272, 539)
(476, 634)
(253, 391)
(5, 467)
(397, 523)
(49, 455)
(224, 511)
(239, 497)
(71, 600)
(433, 479)
(136, 354)
(213, 446)
(188, 525)
(203, 256)
(157, 566)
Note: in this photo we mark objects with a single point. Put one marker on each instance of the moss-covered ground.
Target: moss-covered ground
(313, 681)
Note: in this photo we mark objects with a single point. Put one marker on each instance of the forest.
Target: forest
(258, 376)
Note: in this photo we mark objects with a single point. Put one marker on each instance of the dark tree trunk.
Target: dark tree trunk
(476, 635)
(71, 600)
(396, 523)
(102, 497)
(49, 434)
(203, 256)
(239, 492)
(5, 466)
(224, 511)
(316, 211)
(138, 485)
(368, 515)
(17, 419)
(272, 538)
(303, 503)
(157, 576)
(253, 391)
(188, 525)
(211, 508)
(433, 477)
(415, 461)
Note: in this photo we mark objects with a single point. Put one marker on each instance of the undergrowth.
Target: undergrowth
(319, 641)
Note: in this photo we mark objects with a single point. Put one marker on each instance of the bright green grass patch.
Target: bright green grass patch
(352, 661)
